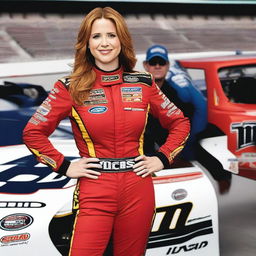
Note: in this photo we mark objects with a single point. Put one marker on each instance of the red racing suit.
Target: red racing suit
(110, 124)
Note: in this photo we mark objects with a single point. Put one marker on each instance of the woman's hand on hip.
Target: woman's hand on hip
(84, 168)
(147, 165)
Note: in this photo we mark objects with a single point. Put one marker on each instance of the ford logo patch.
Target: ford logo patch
(16, 221)
(179, 194)
(98, 110)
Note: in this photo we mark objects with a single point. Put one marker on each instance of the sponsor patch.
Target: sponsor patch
(65, 81)
(98, 110)
(172, 109)
(96, 96)
(131, 79)
(110, 78)
(55, 90)
(131, 94)
(16, 221)
(47, 102)
(33, 121)
(94, 102)
(52, 96)
(167, 104)
(43, 110)
(134, 109)
(48, 160)
(39, 117)
(134, 78)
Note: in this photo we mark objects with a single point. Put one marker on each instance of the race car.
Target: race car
(36, 207)
(36, 214)
(229, 85)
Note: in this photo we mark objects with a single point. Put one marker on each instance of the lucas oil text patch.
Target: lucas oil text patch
(131, 94)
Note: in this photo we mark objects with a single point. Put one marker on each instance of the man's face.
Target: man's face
(157, 66)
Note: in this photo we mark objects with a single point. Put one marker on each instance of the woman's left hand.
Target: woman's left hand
(147, 165)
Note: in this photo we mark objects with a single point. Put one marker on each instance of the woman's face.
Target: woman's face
(104, 44)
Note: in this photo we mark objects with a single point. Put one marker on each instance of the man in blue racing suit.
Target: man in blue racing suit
(177, 85)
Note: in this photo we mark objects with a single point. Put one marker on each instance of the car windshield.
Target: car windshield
(239, 83)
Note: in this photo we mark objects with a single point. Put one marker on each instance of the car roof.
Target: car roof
(221, 60)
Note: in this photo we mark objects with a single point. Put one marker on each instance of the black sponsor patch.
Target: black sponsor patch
(110, 78)
(141, 78)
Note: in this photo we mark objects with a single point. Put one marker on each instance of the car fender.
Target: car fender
(218, 148)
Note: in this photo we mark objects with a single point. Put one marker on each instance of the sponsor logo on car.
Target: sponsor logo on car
(16, 221)
(21, 204)
(41, 177)
(170, 227)
(179, 194)
(246, 134)
(186, 248)
(10, 239)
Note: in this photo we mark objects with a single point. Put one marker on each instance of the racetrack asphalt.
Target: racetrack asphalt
(29, 37)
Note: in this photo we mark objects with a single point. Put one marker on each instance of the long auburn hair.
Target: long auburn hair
(83, 77)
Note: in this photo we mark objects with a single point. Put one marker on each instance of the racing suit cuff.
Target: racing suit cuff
(163, 159)
(64, 167)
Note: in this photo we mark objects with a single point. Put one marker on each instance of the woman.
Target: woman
(107, 103)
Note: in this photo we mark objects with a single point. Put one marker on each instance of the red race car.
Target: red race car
(229, 85)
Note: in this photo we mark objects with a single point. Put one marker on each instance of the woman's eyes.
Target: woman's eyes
(110, 35)
(95, 36)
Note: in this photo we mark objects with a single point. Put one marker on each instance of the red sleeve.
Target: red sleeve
(55, 107)
(173, 120)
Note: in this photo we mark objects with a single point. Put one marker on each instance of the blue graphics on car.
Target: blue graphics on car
(23, 176)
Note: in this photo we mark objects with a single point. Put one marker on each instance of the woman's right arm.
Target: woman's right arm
(55, 107)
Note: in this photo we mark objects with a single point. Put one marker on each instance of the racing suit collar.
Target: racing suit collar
(108, 78)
